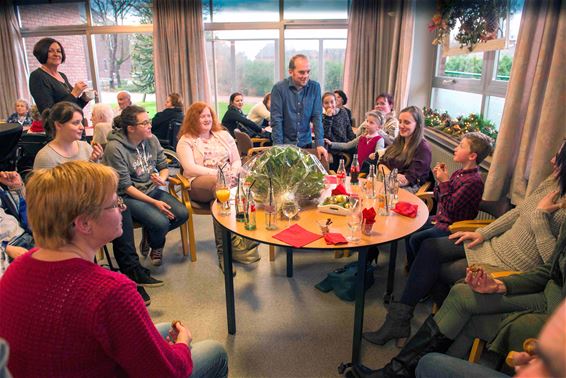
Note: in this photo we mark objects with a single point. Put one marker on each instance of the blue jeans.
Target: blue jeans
(437, 365)
(209, 357)
(427, 231)
(156, 224)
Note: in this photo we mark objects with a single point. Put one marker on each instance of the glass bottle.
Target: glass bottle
(250, 213)
(270, 210)
(240, 202)
(341, 172)
(370, 183)
(383, 198)
(354, 170)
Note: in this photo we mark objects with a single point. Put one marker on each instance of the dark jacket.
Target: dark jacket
(235, 119)
(161, 120)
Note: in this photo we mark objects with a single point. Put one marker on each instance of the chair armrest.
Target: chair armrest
(504, 274)
(427, 198)
(260, 141)
(469, 225)
(256, 150)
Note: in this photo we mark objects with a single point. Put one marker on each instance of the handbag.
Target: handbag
(343, 281)
(244, 250)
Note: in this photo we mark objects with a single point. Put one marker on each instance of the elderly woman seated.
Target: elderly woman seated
(65, 316)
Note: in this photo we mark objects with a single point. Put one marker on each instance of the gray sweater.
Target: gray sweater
(134, 164)
(522, 238)
(47, 157)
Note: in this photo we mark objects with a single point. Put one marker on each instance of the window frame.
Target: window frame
(281, 26)
(89, 30)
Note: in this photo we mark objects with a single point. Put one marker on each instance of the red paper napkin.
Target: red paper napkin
(368, 215)
(407, 209)
(335, 238)
(340, 189)
(296, 236)
(330, 180)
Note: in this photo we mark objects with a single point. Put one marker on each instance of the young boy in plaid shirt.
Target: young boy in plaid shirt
(459, 196)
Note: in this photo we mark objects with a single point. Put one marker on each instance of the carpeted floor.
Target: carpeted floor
(285, 327)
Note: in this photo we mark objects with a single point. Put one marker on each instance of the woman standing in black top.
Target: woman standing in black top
(47, 85)
(234, 118)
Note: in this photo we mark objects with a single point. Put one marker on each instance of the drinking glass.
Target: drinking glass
(394, 191)
(290, 208)
(354, 224)
(223, 192)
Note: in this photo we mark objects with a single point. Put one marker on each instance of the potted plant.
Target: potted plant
(477, 21)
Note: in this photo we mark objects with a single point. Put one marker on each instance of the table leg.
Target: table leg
(388, 297)
(289, 262)
(229, 281)
(359, 307)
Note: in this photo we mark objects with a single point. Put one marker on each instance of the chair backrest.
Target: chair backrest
(28, 147)
(172, 132)
(10, 134)
(243, 141)
(496, 208)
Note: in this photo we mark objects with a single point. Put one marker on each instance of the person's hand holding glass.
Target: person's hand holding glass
(223, 192)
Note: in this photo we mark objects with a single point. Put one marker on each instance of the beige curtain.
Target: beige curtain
(179, 51)
(13, 75)
(378, 53)
(534, 115)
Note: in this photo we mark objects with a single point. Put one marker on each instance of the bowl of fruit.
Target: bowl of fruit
(340, 204)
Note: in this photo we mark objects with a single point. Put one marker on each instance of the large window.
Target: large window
(476, 82)
(108, 44)
(249, 44)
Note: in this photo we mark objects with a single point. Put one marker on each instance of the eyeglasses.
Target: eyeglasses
(147, 122)
(118, 204)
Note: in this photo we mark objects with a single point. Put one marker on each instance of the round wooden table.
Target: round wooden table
(387, 229)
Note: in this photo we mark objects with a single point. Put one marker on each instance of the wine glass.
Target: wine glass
(223, 192)
(290, 208)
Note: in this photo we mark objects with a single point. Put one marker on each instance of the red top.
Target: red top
(37, 127)
(366, 146)
(73, 318)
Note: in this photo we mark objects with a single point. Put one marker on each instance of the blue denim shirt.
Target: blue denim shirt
(292, 111)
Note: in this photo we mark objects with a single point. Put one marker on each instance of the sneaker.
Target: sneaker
(144, 295)
(144, 244)
(146, 280)
(155, 256)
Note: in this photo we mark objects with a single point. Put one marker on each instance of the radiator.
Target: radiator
(442, 154)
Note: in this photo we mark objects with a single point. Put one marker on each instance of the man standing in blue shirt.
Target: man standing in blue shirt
(295, 103)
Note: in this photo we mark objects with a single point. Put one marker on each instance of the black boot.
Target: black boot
(428, 339)
(397, 325)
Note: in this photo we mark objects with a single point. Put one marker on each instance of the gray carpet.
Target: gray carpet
(285, 327)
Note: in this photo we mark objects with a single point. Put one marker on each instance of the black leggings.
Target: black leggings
(434, 256)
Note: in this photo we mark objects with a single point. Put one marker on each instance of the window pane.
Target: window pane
(34, 16)
(495, 110)
(334, 51)
(467, 66)
(128, 12)
(125, 62)
(325, 49)
(243, 63)
(242, 11)
(455, 102)
(504, 63)
(315, 10)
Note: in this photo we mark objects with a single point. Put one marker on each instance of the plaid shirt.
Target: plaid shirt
(458, 198)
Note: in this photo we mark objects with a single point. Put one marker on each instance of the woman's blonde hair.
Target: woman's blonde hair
(397, 150)
(57, 196)
(191, 123)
